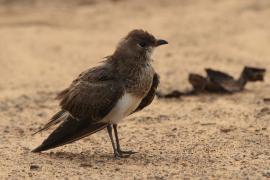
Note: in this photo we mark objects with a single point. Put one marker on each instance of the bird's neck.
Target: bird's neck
(127, 65)
(137, 77)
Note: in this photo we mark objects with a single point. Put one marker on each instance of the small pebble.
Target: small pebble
(86, 165)
(117, 169)
(266, 174)
(226, 130)
(34, 167)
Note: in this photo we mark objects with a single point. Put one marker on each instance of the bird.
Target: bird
(102, 96)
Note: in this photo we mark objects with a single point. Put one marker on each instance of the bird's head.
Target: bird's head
(139, 44)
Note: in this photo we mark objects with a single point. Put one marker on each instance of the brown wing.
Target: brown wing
(69, 131)
(150, 95)
(92, 100)
(55, 119)
(93, 94)
(88, 100)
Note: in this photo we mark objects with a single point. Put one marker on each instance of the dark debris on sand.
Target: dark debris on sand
(218, 82)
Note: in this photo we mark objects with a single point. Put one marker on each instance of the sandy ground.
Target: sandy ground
(45, 45)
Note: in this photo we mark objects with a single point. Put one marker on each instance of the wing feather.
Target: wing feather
(147, 100)
(88, 100)
(57, 118)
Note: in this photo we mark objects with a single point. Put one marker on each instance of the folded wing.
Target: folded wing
(88, 100)
(147, 100)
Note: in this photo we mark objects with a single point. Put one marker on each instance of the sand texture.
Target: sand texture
(44, 45)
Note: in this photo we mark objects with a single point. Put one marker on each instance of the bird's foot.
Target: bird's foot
(126, 152)
(123, 154)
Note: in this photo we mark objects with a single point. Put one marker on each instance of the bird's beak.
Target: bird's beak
(160, 42)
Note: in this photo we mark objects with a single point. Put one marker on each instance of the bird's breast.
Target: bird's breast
(124, 107)
(137, 81)
(140, 81)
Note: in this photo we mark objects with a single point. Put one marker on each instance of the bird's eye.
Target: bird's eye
(142, 44)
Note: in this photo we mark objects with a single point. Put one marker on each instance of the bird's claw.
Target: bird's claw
(126, 152)
(123, 154)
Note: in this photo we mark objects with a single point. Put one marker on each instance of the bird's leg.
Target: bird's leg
(116, 154)
(126, 153)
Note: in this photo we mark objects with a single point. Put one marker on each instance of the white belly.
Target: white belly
(124, 107)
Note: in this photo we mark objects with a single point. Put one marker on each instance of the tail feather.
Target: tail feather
(69, 131)
(57, 118)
